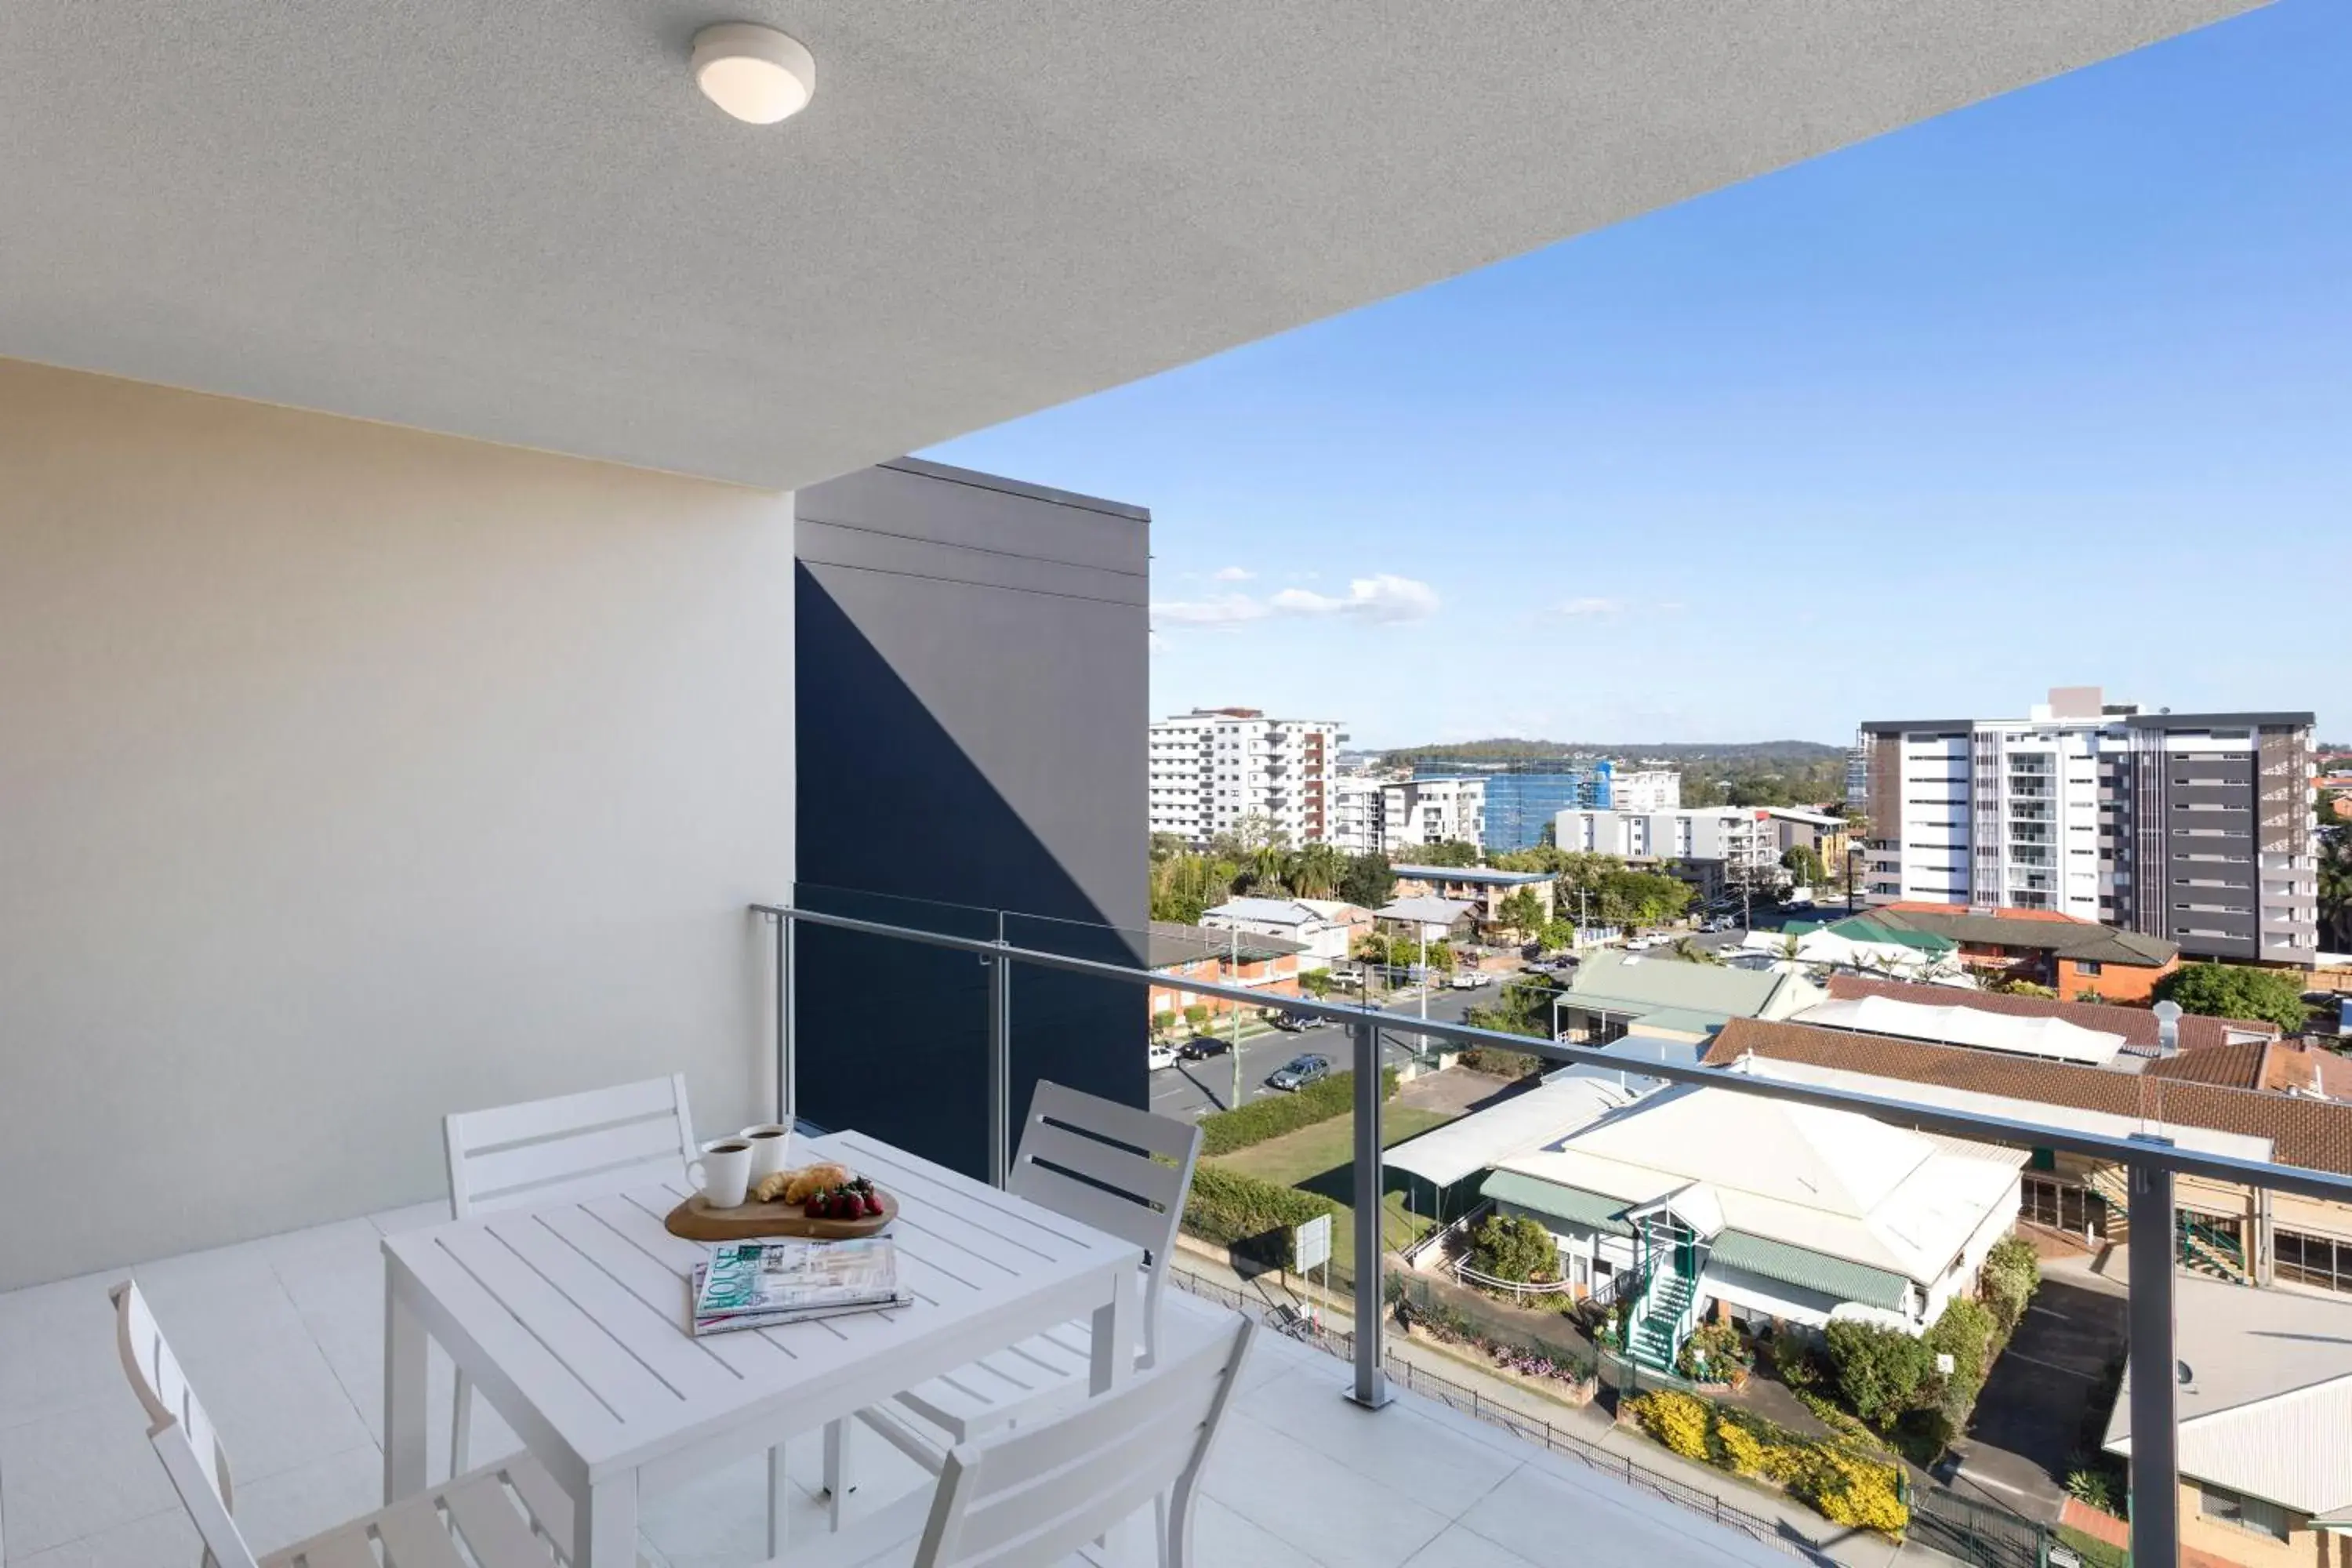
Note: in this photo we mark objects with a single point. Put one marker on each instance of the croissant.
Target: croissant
(772, 1186)
(812, 1179)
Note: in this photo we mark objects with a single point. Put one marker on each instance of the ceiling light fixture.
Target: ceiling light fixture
(754, 73)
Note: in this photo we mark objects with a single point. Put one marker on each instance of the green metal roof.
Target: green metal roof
(1591, 1210)
(1682, 1021)
(1810, 1271)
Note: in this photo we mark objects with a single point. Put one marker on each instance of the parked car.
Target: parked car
(1201, 1046)
(1292, 1023)
(1300, 1071)
(1468, 979)
(1160, 1056)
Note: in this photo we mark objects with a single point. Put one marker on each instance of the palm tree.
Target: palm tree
(1315, 871)
(1266, 871)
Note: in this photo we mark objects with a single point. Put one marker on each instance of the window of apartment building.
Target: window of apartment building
(2244, 1512)
(2314, 1260)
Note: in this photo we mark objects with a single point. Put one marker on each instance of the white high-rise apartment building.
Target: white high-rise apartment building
(1359, 811)
(1415, 811)
(1212, 767)
(1646, 790)
(2196, 829)
(1724, 848)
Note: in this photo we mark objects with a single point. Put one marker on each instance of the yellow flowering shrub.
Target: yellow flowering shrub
(1743, 1452)
(1675, 1419)
(1853, 1491)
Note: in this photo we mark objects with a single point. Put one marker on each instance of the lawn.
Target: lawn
(1321, 1159)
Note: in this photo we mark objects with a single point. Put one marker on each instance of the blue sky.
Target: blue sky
(2051, 391)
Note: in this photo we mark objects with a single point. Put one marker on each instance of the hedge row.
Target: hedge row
(1842, 1485)
(1276, 1114)
(1249, 1214)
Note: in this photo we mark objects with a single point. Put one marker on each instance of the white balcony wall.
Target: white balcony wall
(350, 775)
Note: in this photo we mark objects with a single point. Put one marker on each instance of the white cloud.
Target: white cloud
(1224, 610)
(1593, 606)
(1234, 575)
(1384, 599)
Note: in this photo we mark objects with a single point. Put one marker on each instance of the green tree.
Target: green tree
(1803, 862)
(1316, 871)
(1605, 890)
(1164, 845)
(1521, 912)
(1265, 871)
(1452, 852)
(1248, 836)
(2234, 991)
(1185, 884)
(1316, 982)
(1163, 1020)
(1367, 881)
(1690, 952)
(2335, 890)
(1515, 1248)
(1523, 1008)
(1881, 1373)
(1197, 1015)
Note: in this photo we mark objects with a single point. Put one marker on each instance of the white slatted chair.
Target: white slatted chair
(506, 1515)
(600, 1140)
(1137, 1168)
(1031, 1495)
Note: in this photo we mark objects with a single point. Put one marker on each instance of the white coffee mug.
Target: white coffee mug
(771, 1145)
(724, 1172)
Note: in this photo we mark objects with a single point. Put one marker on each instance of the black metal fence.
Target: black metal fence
(1977, 1533)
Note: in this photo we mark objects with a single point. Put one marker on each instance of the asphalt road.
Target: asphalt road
(1191, 1089)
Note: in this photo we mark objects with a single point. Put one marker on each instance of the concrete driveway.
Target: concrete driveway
(2029, 1419)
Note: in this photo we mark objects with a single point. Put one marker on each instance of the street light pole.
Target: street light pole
(1421, 1040)
(1237, 1019)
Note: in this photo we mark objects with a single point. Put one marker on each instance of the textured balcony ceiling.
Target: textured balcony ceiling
(519, 221)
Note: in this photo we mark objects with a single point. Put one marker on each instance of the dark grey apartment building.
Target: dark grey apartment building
(2195, 827)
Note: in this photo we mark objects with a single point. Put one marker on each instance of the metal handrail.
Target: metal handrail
(2152, 1160)
(1976, 1125)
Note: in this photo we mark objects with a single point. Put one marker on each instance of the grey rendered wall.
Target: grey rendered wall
(972, 709)
(350, 776)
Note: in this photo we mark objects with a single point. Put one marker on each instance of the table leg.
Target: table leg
(1114, 1336)
(608, 1530)
(404, 1398)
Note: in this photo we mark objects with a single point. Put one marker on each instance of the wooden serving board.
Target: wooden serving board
(698, 1221)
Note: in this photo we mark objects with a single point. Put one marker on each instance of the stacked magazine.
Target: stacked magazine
(759, 1284)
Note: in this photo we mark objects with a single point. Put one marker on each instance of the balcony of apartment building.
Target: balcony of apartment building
(467, 642)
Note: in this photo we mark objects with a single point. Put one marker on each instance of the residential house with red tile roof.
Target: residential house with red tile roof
(2226, 1230)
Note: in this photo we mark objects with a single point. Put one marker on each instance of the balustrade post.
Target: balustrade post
(2155, 1431)
(1370, 1388)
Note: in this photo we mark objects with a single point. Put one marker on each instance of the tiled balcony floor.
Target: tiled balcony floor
(283, 1339)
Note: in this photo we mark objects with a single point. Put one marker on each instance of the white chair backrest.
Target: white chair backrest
(574, 1145)
(1031, 1495)
(1111, 1166)
(183, 1434)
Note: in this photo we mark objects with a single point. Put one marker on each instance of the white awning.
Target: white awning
(1551, 1110)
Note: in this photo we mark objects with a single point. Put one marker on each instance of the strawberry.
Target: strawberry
(873, 1202)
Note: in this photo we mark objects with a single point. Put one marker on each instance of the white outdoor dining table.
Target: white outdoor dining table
(569, 1318)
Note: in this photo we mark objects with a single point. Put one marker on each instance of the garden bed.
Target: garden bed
(1838, 1478)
